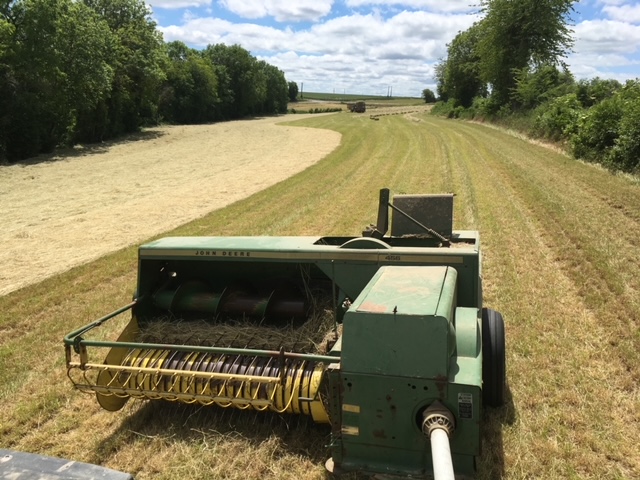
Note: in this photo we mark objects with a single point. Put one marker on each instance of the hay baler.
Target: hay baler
(383, 337)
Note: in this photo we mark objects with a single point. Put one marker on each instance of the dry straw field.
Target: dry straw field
(562, 263)
(73, 207)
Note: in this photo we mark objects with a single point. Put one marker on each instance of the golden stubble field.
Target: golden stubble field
(561, 262)
(64, 210)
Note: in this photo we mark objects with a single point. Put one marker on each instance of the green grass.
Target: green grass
(561, 262)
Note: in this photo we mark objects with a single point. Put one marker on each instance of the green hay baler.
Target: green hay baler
(383, 337)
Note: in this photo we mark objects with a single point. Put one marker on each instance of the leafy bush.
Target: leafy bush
(610, 131)
(479, 108)
(558, 118)
(595, 90)
(597, 130)
(538, 86)
(428, 96)
(444, 109)
(490, 107)
(625, 153)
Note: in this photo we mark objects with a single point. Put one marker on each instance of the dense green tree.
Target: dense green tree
(138, 63)
(6, 80)
(88, 70)
(190, 91)
(6, 32)
(277, 89)
(57, 63)
(458, 76)
(240, 95)
(219, 83)
(428, 96)
(517, 35)
(293, 91)
(439, 74)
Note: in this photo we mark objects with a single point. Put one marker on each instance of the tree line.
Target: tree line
(74, 71)
(508, 68)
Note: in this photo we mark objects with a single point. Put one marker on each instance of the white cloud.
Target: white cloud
(414, 34)
(611, 2)
(584, 68)
(339, 73)
(204, 31)
(176, 4)
(348, 53)
(606, 37)
(606, 48)
(298, 11)
(601, 61)
(624, 13)
(372, 49)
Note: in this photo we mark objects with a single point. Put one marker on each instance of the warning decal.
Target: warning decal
(465, 405)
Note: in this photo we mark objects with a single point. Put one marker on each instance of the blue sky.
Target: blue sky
(374, 46)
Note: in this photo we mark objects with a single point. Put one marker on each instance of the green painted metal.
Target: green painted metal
(468, 339)
(218, 259)
(391, 329)
(411, 331)
(73, 339)
(399, 354)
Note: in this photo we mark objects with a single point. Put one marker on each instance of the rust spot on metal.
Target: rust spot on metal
(373, 307)
(441, 384)
(379, 434)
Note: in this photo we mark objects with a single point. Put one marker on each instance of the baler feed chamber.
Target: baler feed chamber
(258, 340)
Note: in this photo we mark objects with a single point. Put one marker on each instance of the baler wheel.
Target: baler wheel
(493, 358)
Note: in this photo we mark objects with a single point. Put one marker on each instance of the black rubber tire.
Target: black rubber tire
(494, 372)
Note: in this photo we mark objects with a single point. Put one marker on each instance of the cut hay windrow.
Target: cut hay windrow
(316, 334)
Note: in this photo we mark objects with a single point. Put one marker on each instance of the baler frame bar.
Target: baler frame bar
(79, 344)
(167, 371)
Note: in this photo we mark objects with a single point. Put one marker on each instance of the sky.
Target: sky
(381, 47)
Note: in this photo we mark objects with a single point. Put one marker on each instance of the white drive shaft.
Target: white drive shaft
(438, 425)
(441, 455)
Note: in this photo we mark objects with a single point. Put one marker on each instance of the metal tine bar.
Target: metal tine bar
(172, 372)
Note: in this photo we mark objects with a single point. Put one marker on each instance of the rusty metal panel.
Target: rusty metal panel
(433, 211)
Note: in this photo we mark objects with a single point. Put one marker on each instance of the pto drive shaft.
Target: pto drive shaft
(438, 424)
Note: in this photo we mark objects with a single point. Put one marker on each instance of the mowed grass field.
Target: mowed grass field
(561, 246)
